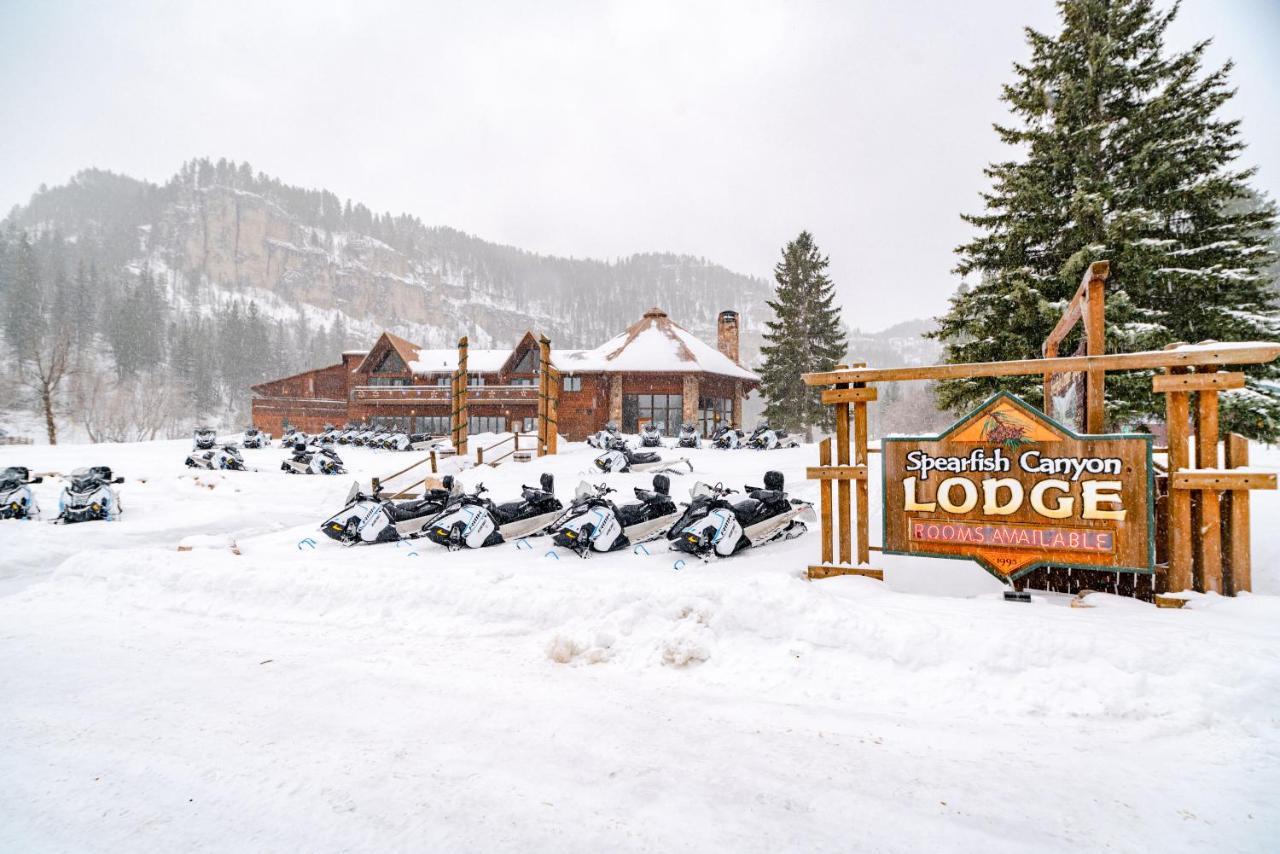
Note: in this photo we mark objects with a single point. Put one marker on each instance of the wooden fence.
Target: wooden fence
(1206, 531)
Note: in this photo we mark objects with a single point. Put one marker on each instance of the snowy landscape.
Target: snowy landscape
(404, 697)
(898, 400)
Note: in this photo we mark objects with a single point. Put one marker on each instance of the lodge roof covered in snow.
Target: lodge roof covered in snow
(654, 344)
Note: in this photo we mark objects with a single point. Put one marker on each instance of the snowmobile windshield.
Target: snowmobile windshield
(584, 491)
(85, 479)
(702, 490)
(11, 479)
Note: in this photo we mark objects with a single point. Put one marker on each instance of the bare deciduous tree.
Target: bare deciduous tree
(43, 370)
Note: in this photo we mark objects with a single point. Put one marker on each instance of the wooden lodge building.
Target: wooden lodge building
(656, 371)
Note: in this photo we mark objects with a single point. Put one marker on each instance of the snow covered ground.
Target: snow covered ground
(291, 698)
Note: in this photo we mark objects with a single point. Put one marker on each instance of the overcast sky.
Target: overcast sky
(585, 129)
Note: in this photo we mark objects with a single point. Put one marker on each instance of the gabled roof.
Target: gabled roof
(654, 344)
(406, 350)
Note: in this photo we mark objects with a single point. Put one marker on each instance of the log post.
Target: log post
(544, 391)
(1095, 345)
(843, 487)
(460, 409)
(1179, 501)
(1207, 519)
(824, 503)
(860, 487)
(1237, 567)
(553, 408)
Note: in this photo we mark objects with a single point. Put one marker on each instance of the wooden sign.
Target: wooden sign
(1011, 488)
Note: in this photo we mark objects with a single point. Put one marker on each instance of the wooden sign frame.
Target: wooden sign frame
(1058, 559)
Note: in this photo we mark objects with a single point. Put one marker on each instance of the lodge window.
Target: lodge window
(475, 380)
(714, 411)
(388, 381)
(487, 424)
(530, 425)
(664, 411)
(436, 425)
(442, 381)
(521, 381)
(573, 383)
(391, 363)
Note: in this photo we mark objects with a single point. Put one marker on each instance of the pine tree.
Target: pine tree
(805, 335)
(25, 323)
(1126, 159)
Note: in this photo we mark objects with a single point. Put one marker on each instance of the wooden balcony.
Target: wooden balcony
(437, 394)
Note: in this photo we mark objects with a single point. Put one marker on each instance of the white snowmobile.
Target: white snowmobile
(372, 519)
(619, 457)
(727, 438)
(595, 523)
(602, 438)
(204, 438)
(307, 460)
(17, 501)
(326, 436)
(292, 436)
(713, 526)
(767, 439)
(89, 496)
(650, 437)
(255, 438)
(689, 437)
(226, 458)
(476, 522)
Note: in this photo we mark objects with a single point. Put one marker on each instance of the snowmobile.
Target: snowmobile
(650, 437)
(767, 439)
(16, 498)
(326, 435)
(602, 438)
(369, 518)
(476, 522)
(595, 523)
(227, 457)
(343, 436)
(255, 438)
(619, 457)
(689, 437)
(712, 525)
(727, 438)
(292, 437)
(362, 438)
(204, 438)
(89, 496)
(307, 460)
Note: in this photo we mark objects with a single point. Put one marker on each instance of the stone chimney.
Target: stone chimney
(727, 334)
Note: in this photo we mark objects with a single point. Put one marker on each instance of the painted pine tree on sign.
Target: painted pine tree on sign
(1126, 158)
(805, 335)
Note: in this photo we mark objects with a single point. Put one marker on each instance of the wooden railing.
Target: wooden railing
(485, 455)
(406, 492)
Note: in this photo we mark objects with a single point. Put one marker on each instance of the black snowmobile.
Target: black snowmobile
(619, 457)
(475, 521)
(595, 523)
(689, 437)
(255, 438)
(17, 501)
(89, 496)
(713, 526)
(650, 437)
(204, 439)
(369, 518)
(307, 460)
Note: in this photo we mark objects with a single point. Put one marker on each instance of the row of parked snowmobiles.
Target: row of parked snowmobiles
(710, 524)
(87, 495)
(764, 438)
(371, 437)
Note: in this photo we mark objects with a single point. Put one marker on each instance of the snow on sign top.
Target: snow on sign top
(654, 344)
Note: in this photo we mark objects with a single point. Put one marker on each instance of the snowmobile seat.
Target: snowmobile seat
(774, 480)
(412, 509)
(630, 514)
(643, 457)
(648, 496)
(508, 512)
